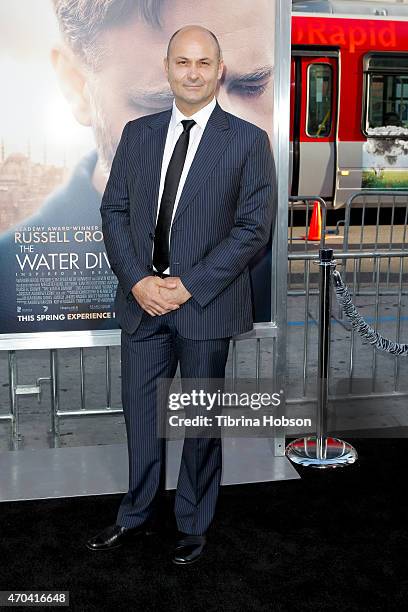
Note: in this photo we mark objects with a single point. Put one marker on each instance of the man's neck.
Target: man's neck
(188, 110)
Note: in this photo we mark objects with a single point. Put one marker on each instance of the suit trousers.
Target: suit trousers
(152, 352)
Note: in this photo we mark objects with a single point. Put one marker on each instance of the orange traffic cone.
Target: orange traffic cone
(315, 228)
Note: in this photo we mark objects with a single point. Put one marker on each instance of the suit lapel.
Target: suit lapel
(152, 158)
(214, 140)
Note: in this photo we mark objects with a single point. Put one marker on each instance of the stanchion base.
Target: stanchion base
(336, 453)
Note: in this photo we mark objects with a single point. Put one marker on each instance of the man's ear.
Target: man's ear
(72, 82)
(166, 65)
(220, 69)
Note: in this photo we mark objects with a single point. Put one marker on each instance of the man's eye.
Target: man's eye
(249, 90)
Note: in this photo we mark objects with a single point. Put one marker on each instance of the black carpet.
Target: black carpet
(334, 540)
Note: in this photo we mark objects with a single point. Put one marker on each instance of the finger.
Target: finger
(160, 308)
(167, 299)
(159, 302)
(167, 283)
(161, 311)
(165, 311)
(157, 311)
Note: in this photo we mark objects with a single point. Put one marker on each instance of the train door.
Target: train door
(313, 126)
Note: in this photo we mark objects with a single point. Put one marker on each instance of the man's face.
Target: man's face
(131, 81)
(193, 69)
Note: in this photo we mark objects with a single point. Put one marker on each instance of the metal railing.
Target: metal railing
(360, 236)
(261, 332)
(305, 204)
(396, 313)
(377, 269)
(379, 236)
(379, 282)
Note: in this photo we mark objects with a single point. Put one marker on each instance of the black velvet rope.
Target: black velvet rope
(364, 329)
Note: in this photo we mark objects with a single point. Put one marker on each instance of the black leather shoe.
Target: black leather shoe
(116, 535)
(188, 549)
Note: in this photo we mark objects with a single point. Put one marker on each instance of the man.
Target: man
(109, 68)
(189, 202)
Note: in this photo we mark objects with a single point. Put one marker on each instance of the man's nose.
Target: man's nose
(193, 73)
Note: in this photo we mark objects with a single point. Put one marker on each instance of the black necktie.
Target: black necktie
(173, 174)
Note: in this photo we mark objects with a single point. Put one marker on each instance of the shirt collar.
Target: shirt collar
(200, 117)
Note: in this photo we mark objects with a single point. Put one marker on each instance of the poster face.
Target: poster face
(73, 82)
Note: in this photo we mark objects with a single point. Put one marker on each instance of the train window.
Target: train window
(319, 104)
(386, 91)
(385, 62)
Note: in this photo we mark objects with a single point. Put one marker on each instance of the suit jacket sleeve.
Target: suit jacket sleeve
(252, 226)
(116, 222)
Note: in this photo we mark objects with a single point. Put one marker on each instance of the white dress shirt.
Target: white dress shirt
(173, 134)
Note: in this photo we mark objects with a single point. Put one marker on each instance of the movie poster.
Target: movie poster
(73, 73)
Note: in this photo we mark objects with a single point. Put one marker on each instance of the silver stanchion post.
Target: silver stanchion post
(321, 451)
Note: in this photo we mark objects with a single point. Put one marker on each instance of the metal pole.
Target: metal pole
(326, 264)
(12, 374)
(108, 378)
(55, 429)
(321, 451)
(82, 377)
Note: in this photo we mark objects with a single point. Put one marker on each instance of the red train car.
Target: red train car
(349, 98)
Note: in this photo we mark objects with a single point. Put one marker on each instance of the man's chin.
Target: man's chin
(194, 98)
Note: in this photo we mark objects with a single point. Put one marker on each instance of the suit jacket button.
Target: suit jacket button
(151, 235)
(150, 267)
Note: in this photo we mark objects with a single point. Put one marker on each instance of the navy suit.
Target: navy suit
(223, 219)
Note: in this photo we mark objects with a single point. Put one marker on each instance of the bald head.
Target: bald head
(194, 31)
(193, 67)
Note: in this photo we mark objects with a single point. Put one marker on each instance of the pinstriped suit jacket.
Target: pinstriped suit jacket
(224, 217)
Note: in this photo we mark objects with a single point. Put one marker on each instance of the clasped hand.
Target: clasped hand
(157, 296)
